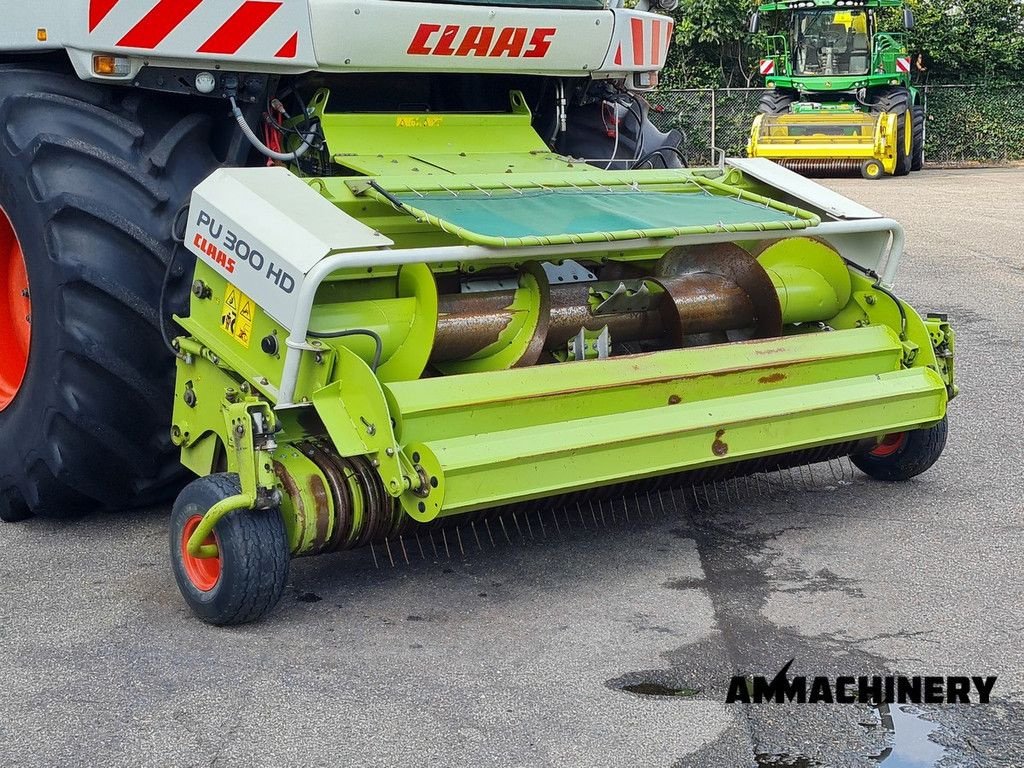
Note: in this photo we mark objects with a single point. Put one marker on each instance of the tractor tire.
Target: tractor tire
(247, 578)
(897, 101)
(917, 162)
(775, 102)
(91, 178)
(904, 455)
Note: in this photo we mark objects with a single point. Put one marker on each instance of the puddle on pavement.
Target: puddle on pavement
(656, 689)
(785, 761)
(911, 746)
(909, 733)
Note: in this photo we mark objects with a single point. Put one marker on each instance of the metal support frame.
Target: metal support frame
(249, 456)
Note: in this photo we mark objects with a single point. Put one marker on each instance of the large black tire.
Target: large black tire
(776, 102)
(897, 101)
(904, 455)
(251, 571)
(91, 178)
(917, 161)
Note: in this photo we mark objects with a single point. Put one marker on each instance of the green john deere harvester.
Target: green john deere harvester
(840, 95)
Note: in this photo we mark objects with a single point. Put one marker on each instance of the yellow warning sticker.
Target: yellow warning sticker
(419, 121)
(237, 315)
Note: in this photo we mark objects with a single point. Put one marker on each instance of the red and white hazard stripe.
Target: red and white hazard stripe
(220, 28)
(647, 44)
(903, 65)
(767, 67)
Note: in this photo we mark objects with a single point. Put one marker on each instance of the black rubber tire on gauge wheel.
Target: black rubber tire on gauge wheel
(91, 178)
(904, 455)
(247, 578)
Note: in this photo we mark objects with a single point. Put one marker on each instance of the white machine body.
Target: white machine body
(294, 36)
(264, 229)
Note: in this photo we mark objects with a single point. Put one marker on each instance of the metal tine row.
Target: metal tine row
(803, 477)
(521, 526)
(516, 527)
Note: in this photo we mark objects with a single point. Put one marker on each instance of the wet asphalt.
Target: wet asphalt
(589, 644)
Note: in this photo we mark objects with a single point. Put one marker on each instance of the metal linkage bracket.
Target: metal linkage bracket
(250, 425)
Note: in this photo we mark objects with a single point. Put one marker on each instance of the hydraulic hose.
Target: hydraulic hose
(281, 157)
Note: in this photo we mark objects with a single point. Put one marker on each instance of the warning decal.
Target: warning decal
(236, 316)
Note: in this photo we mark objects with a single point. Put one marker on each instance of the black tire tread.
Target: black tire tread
(896, 100)
(916, 456)
(255, 555)
(775, 102)
(917, 162)
(106, 169)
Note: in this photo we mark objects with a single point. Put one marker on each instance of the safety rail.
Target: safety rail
(776, 47)
(885, 48)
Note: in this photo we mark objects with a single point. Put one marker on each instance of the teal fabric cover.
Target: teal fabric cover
(540, 213)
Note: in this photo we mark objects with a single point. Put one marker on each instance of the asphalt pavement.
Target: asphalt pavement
(588, 644)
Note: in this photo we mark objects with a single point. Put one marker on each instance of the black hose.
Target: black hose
(638, 115)
(377, 355)
(899, 305)
(651, 155)
(879, 287)
(177, 225)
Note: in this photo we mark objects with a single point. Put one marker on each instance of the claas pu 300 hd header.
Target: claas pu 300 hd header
(372, 268)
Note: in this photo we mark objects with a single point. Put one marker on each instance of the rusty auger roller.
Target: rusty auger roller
(498, 357)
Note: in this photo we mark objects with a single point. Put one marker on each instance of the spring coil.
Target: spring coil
(823, 167)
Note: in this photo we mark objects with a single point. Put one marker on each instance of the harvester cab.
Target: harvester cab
(840, 96)
(427, 273)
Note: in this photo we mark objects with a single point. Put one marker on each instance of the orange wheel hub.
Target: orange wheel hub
(15, 313)
(890, 445)
(203, 572)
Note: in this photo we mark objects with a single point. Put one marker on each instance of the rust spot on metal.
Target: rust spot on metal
(775, 378)
(342, 517)
(720, 447)
(323, 506)
(674, 399)
(291, 489)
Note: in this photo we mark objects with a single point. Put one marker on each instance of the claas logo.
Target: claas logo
(478, 41)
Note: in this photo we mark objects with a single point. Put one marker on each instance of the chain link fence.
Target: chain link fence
(966, 124)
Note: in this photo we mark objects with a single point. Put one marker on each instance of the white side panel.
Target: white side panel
(23, 20)
(640, 42)
(356, 35)
(264, 229)
(387, 35)
(802, 188)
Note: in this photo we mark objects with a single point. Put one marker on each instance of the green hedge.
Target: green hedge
(975, 124)
(966, 123)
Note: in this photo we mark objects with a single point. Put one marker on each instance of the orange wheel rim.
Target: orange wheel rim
(15, 313)
(890, 445)
(203, 572)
